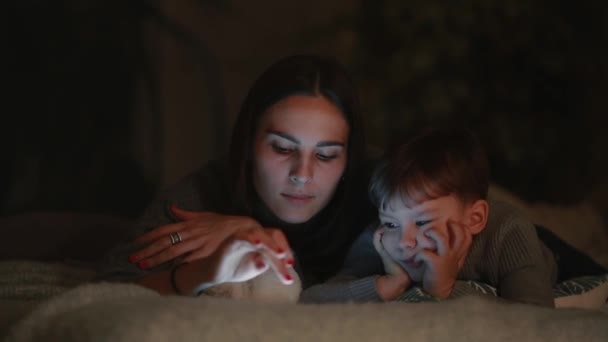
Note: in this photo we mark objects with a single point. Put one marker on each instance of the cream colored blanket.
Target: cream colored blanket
(121, 312)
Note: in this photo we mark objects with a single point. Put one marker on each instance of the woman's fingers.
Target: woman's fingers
(260, 263)
(261, 238)
(281, 240)
(160, 232)
(162, 243)
(168, 254)
(205, 247)
(278, 266)
(185, 215)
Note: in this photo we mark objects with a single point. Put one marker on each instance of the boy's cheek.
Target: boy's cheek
(426, 242)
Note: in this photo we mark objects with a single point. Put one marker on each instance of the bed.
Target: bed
(48, 294)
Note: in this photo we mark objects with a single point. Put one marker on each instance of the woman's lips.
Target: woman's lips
(298, 198)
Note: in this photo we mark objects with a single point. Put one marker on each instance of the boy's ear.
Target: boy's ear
(477, 215)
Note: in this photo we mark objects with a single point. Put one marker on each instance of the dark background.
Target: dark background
(109, 101)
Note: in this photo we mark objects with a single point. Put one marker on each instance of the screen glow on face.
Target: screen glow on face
(404, 228)
(300, 154)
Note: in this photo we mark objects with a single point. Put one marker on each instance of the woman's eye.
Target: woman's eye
(281, 150)
(389, 225)
(325, 157)
(422, 222)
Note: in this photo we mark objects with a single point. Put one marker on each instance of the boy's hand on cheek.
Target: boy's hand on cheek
(390, 265)
(460, 240)
(442, 266)
(396, 280)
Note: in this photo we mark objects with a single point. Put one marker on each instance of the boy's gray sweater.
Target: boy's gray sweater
(507, 254)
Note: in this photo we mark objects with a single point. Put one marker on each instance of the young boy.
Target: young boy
(437, 228)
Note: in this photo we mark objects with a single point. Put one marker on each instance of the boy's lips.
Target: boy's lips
(412, 263)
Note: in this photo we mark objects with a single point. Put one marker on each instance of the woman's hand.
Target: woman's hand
(234, 261)
(241, 261)
(201, 234)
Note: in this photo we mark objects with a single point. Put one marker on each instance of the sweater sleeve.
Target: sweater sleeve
(356, 282)
(186, 193)
(524, 273)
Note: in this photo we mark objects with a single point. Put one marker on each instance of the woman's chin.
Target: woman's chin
(295, 218)
(292, 216)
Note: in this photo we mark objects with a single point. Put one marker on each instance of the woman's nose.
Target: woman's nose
(302, 172)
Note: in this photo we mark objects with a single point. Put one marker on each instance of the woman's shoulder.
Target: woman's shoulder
(201, 188)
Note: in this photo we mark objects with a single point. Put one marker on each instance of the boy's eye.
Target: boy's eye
(422, 223)
(281, 150)
(389, 225)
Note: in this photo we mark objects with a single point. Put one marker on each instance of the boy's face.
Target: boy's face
(404, 228)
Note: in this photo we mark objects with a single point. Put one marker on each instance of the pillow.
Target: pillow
(590, 292)
(580, 225)
(583, 292)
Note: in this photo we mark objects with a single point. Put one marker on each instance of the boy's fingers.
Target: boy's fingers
(378, 241)
(390, 265)
(457, 235)
(462, 238)
(426, 256)
(440, 239)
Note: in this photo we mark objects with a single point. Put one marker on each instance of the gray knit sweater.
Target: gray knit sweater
(507, 254)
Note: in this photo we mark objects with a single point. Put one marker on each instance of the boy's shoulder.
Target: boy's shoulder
(509, 235)
(505, 222)
(504, 217)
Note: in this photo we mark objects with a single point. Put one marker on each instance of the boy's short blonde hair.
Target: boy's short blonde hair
(439, 162)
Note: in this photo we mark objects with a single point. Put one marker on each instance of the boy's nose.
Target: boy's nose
(408, 238)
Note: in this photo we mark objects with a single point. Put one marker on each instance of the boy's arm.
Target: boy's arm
(357, 279)
(461, 288)
(525, 273)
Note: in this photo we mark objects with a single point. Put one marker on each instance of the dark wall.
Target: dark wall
(109, 101)
(71, 78)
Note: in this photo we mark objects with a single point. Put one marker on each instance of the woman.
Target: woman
(295, 173)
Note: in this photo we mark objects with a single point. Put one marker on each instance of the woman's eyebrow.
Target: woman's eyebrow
(329, 144)
(294, 140)
(284, 136)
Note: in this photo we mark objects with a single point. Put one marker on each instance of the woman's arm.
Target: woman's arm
(149, 258)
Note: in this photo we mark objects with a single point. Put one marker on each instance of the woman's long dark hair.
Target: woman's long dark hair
(314, 76)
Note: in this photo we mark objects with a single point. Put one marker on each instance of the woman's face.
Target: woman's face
(299, 156)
